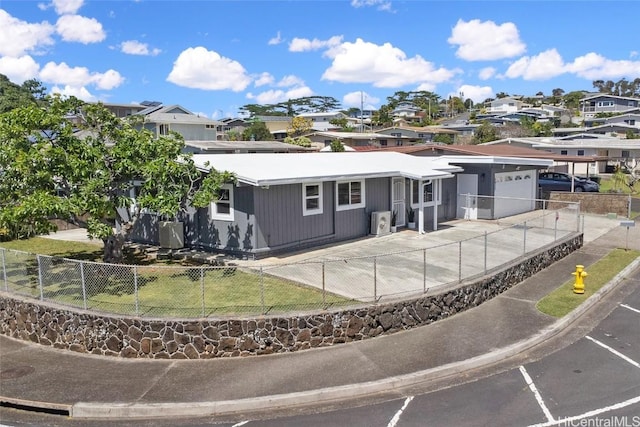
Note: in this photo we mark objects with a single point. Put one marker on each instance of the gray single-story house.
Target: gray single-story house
(285, 202)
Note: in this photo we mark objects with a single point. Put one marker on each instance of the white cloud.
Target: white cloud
(199, 68)
(304, 45)
(297, 89)
(593, 66)
(18, 37)
(483, 41)
(357, 99)
(543, 66)
(78, 77)
(65, 7)
(134, 47)
(79, 92)
(381, 65)
(275, 40)
(274, 96)
(290, 80)
(18, 70)
(475, 93)
(76, 28)
(633, 54)
(264, 79)
(486, 73)
(380, 4)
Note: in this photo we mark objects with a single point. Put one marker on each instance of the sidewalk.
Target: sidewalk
(91, 386)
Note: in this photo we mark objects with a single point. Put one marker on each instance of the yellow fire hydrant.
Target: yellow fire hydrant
(578, 287)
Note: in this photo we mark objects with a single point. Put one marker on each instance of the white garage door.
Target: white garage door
(515, 193)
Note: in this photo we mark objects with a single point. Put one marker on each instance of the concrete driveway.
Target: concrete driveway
(406, 263)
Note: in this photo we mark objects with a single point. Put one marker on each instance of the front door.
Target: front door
(397, 200)
(467, 196)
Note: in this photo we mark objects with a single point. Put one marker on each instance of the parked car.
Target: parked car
(558, 181)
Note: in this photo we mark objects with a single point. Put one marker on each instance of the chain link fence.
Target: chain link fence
(249, 289)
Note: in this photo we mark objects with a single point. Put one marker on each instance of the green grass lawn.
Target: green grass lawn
(607, 185)
(160, 290)
(563, 300)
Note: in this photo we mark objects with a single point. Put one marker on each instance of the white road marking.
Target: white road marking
(570, 420)
(617, 353)
(396, 417)
(630, 308)
(241, 423)
(535, 392)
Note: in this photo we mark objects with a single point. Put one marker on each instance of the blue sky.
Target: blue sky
(212, 57)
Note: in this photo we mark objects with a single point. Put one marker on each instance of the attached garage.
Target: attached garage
(505, 185)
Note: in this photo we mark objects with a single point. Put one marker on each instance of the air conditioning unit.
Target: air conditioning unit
(171, 235)
(380, 222)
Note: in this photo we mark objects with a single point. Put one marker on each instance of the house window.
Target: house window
(605, 104)
(222, 208)
(563, 152)
(580, 152)
(626, 154)
(164, 129)
(383, 142)
(311, 199)
(428, 195)
(630, 122)
(350, 195)
(398, 143)
(396, 134)
(209, 126)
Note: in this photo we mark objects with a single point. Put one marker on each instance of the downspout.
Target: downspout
(420, 207)
(435, 203)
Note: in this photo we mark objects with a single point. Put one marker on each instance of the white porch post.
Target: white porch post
(420, 207)
(434, 186)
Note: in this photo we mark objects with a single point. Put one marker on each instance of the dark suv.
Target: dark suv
(558, 181)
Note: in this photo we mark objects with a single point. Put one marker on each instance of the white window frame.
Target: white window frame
(164, 129)
(305, 210)
(438, 192)
(221, 216)
(350, 205)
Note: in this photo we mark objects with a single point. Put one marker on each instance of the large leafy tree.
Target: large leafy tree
(89, 168)
(257, 131)
(31, 92)
(486, 132)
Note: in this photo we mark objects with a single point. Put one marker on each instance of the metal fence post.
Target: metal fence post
(262, 290)
(424, 271)
(84, 286)
(485, 252)
(202, 289)
(4, 272)
(460, 261)
(555, 228)
(324, 294)
(375, 279)
(40, 278)
(135, 287)
(524, 239)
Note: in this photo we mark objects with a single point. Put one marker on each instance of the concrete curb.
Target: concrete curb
(332, 394)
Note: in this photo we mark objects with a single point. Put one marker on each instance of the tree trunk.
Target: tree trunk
(113, 246)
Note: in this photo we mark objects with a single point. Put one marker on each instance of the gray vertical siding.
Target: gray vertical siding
(279, 216)
(236, 236)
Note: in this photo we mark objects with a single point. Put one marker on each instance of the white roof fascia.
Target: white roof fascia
(498, 160)
(262, 169)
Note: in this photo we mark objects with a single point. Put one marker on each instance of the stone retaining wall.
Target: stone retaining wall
(90, 332)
